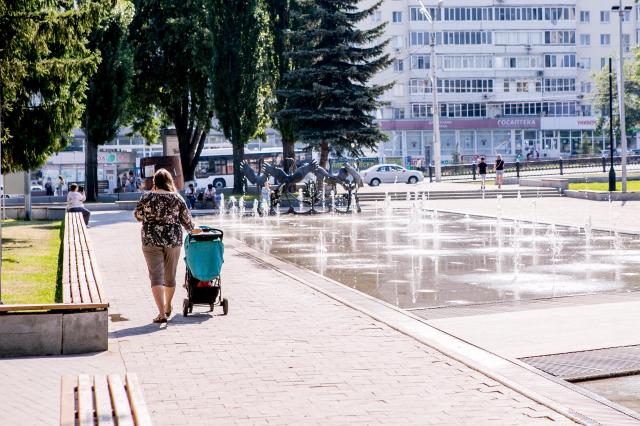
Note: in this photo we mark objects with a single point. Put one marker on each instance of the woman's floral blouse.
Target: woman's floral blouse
(163, 215)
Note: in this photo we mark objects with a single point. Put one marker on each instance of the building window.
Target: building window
(466, 37)
(506, 85)
(396, 17)
(585, 39)
(420, 62)
(518, 37)
(560, 60)
(522, 86)
(398, 42)
(584, 63)
(603, 62)
(605, 39)
(585, 16)
(626, 42)
(398, 89)
(398, 65)
(585, 87)
(585, 110)
(398, 113)
(552, 109)
(451, 62)
(420, 110)
(605, 16)
(559, 84)
(559, 37)
(376, 17)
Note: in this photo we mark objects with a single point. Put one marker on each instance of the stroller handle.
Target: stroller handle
(207, 234)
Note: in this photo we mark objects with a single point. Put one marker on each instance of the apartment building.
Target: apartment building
(513, 77)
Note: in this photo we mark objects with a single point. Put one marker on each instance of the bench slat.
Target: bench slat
(66, 291)
(85, 401)
(68, 400)
(73, 261)
(53, 307)
(80, 270)
(89, 270)
(104, 411)
(139, 408)
(119, 401)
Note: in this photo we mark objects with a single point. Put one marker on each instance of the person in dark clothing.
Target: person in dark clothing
(482, 170)
(499, 170)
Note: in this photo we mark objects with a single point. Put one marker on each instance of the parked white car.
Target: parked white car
(390, 173)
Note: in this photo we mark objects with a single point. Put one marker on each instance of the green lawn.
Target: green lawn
(30, 266)
(632, 185)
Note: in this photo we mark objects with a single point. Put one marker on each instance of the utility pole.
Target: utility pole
(612, 172)
(620, 80)
(435, 107)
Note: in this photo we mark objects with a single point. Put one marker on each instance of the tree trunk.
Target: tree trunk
(324, 154)
(91, 170)
(288, 151)
(238, 157)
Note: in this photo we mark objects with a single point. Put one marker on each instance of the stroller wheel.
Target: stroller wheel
(225, 306)
(185, 307)
(211, 307)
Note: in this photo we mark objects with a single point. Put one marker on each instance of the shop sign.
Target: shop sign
(529, 123)
(569, 123)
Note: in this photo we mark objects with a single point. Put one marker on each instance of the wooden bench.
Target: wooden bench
(102, 400)
(80, 275)
(77, 325)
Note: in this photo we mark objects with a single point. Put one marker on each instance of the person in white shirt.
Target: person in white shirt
(75, 202)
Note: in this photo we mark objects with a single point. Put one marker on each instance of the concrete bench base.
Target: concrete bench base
(59, 333)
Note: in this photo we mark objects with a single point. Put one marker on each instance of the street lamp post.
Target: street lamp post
(612, 172)
(435, 107)
(620, 80)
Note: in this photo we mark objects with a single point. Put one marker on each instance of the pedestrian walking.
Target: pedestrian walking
(499, 167)
(482, 170)
(48, 187)
(163, 214)
(60, 187)
(131, 182)
(75, 202)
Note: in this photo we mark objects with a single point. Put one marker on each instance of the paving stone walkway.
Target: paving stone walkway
(284, 355)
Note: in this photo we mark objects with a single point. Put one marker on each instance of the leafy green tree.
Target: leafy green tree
(631, 97)
(241, 83)
(282, 13)
(172, 55)
(45, 64)
(109, 89)
(329, 97)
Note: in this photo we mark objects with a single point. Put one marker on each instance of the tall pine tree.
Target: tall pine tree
(329, 98)
(282, 21)
(44, 68)
(173, 53)
(241, 83)
(109, 88)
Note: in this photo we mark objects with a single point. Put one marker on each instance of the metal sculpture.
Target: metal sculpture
(342, 177)
(256, 179)
(315, 192)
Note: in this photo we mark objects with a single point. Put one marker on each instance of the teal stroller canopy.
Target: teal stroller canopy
(204, 253)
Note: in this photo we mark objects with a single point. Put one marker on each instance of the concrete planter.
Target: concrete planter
(603, 195)
(53, 333)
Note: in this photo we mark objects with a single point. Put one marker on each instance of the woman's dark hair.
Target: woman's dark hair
(162, 180)
(73, 187)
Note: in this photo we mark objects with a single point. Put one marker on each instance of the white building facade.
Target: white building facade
(514, 77)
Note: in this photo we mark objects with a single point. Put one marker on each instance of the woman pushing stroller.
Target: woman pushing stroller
(163, 214)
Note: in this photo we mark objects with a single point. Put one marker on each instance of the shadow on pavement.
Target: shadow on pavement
(152, 328)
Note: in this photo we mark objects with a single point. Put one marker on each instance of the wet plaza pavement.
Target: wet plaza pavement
(414, 258)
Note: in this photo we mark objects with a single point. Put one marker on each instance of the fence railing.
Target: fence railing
(537, 167)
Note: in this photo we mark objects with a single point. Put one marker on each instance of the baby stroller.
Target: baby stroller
(204, 258)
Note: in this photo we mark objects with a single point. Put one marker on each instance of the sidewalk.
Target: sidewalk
(285, 354)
